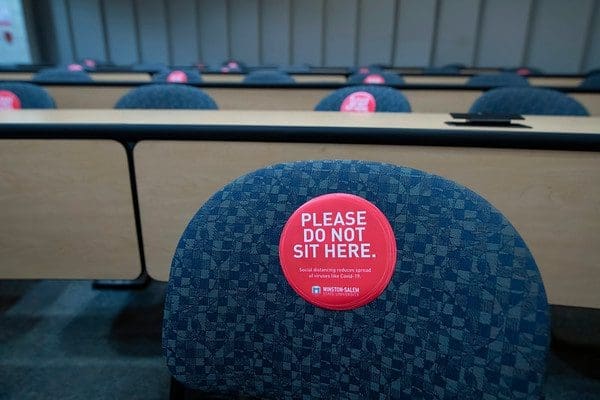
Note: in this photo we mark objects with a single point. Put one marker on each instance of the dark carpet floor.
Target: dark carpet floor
(65, 340)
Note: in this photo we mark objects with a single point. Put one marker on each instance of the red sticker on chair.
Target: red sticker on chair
(359, 102)
(9, 101)
(177, 77)
(338, 251)
(374, 79)
(75, 67)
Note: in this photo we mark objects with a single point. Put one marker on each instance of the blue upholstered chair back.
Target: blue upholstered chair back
(592, 81)
(503, 79)
(166, 96)
(30, 96)
(388, 99)
(49, 75)
(192, 76)
(529, 100)
(388, 77)
(268, 76)
(464, 317)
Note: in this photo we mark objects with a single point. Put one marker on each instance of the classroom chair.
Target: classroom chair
(268, 76)
(166, 96)
(527, 100)
(375, 78)
(494, 80)
(368, 98)
(22, 95)
(460, 311)
(59, 75)
(177, 76)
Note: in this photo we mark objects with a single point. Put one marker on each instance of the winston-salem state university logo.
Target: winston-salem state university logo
(316, 290)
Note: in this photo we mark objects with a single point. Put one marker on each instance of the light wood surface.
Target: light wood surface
(412, 121)
(66, 211)
(435, 80)
(555, 81)
(552, 197)
(121, 76)
(16, 76)
(86, 97)
(269, 99)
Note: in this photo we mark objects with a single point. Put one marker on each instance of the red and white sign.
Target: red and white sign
(177, 77)
(338, 251)
(9, 101)
(359, 102)
(374, 79)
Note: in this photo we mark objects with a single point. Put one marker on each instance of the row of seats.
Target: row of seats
(365, 98)
(363, 76)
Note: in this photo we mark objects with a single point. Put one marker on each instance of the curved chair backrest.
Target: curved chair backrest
(524, 71)
(233, 66)
(376, 78)
(491, 80)
(369, 98)
(592, 81)
(178, 76)
(268, 76)
(529, 100)
(445, 70)
(24, 95)
(465, 314)
(58, 75)
(166, 96)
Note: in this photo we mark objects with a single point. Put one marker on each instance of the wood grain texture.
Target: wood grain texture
(551, 197)
(66, 211)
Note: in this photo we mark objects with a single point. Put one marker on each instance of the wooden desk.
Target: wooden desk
(545, 179)
(66, 210)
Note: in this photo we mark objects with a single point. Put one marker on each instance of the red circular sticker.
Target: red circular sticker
(89, 63)
(375, 79)
(177, 77)
(363, 70)
(74, 67)
(9, 101)
(338, 251)
(233, 65)
(359, 102)
(224, 69)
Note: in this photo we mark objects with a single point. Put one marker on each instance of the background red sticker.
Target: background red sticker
(338, 251)
(9, 101)
(359, 102)
(374, 79)
(177, 77)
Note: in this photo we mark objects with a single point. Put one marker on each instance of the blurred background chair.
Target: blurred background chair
(178, 76)
(384, 99)
(375, 78)
(591, 81)
(166, 96)
(268, 76)
(464, 316)
(29, 95)
(503, 79)
(529, 100)
(57, 75)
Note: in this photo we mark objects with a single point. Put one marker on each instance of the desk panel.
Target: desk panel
(66, 211)
(121, 76)
(16, 76)
(551, 197)
(295, 98)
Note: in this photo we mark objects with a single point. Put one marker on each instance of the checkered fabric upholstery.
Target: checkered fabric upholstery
(166, 96)
(527, 100)
(268, 77)
(192, 76)
(592, 81)
(30, 96)
(61, 75)
(464, 317)
(503, 79)
(389, 78)
(388, 99)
